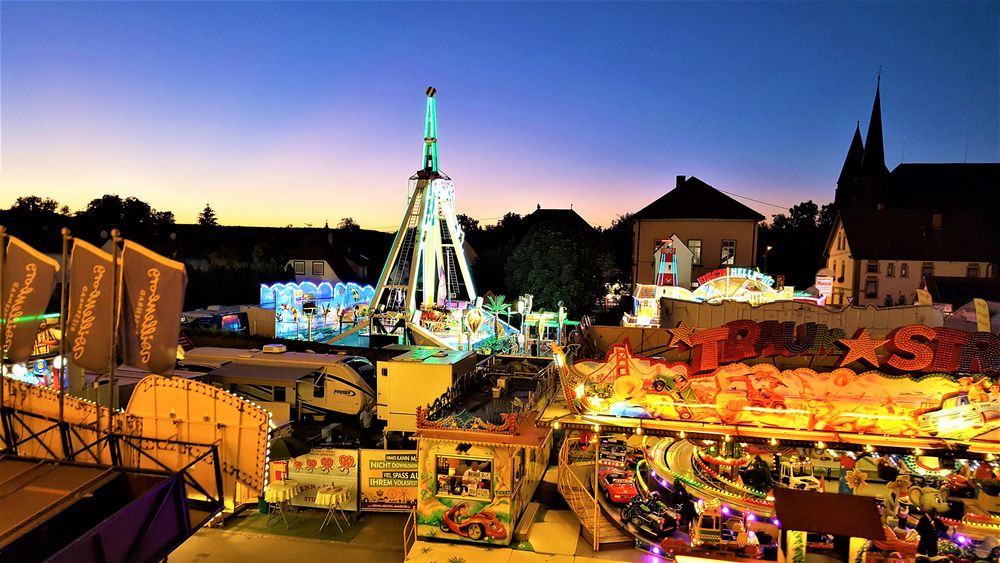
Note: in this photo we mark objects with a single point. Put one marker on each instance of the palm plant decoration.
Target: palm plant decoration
(497, 305)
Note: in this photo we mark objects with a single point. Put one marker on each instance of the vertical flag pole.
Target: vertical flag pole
(64, 366)
(116, 310)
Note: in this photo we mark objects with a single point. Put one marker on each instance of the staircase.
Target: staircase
(598, 530)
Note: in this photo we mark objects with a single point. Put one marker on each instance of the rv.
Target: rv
(313, 384)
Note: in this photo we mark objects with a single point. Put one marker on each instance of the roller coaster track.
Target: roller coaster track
(673, 460)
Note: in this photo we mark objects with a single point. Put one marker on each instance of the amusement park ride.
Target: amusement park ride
(427, 264)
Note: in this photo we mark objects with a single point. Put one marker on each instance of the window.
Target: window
(904, 270)
(300, 267)
(461, 476)
(872, 266)
(695, 245)
(890, 270)
(280, 394)
(843, 270)
(927, 269)
(871, 289)
(972, 271)
(318, 268)
(728, 257)
(834, 269)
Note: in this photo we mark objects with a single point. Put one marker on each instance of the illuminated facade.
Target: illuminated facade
(310, 311)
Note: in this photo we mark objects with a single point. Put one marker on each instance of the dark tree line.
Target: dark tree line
(797, 239)
(554, 262)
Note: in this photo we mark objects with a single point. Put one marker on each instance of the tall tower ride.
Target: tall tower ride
(426, 264)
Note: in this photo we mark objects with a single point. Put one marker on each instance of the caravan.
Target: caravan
(314, 384)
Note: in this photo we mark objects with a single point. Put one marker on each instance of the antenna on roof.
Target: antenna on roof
(902, 154)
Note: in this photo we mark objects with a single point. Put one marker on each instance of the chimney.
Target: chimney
(680, 180)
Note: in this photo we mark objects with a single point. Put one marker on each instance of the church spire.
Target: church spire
(873, 163)
(852, 163)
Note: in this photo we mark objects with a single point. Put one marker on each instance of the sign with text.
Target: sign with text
(388, 480)
(321, 467)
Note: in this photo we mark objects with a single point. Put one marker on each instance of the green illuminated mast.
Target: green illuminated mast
(430, 133)
(427, 263)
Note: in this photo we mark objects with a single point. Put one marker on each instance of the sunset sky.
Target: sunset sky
(300, 113)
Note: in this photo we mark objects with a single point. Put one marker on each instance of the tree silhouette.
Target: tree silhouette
(348, 224)
(33, 204)
(207, 217)
(797, 240)
(557, 266)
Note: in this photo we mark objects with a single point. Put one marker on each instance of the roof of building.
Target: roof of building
(959, 290)
(694, 199)
(944, 186)
(855, 154)
(873, 162)
(334, 247)
(561, 218)
(911, 234)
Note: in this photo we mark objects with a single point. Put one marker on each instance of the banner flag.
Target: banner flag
(29, 278)
(91, 306)
(154, 299)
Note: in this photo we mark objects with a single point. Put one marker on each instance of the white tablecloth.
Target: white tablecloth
(332, 496)
(281, 491)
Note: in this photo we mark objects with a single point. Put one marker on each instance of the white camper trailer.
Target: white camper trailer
(315, 384)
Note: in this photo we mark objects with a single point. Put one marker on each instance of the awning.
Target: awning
(238, 372)
(828, 513)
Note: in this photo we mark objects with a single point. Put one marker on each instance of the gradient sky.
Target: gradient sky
(299, 113)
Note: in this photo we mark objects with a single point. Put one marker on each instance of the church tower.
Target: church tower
(864, 178)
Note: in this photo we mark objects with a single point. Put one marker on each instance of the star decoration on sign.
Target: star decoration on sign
(681, 334)
(861, 347)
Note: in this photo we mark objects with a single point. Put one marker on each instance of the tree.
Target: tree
(131, 215)
(555, 266)
(618, 237)
(207, 217)
(348, 224)
(469, 225)
(33, 204)
(797, 241)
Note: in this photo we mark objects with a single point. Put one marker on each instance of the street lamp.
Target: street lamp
(769, 247)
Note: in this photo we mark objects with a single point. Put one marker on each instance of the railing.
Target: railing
(409, 533)
(500, 415)
(577, 494)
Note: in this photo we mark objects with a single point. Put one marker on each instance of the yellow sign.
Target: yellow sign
(982, 315)
(388, 480)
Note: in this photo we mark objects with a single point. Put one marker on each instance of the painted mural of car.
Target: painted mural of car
(477, 526)
(958, 415)
(618, 485)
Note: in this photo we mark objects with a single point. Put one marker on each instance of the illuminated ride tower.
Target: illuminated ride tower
(426, 265)
(665, 259)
